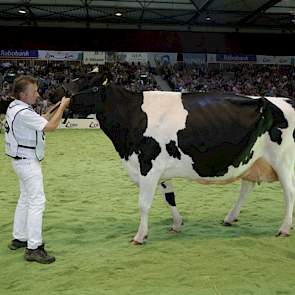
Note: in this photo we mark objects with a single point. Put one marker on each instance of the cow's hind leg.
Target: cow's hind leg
(169, 196)
(287, 180)
(246, 188)
(147, 187)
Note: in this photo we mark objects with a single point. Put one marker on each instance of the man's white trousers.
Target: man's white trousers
(31, 204)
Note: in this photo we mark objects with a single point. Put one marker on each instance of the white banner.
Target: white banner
(156, 58)
(274, 60)
(59, 55)
(80, 124)
(94, 57)
(116, 57)
(211, 58)
(265, 59)
(283, 60)
(137, 57)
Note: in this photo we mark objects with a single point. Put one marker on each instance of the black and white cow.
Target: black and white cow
(209, 138)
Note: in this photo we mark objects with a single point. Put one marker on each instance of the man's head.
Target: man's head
(25, 88)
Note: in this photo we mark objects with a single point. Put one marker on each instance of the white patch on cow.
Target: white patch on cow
(133, 168)
(166, 115)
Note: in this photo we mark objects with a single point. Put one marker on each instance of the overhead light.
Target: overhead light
(208, 18)
(22, 11)
(118, 14)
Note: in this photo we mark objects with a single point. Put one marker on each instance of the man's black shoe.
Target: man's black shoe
(16, 244)
(38, 255)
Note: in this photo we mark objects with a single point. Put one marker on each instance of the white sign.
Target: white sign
(211, 58)
(94, 57)
(283, 60)
(80, 124)
(59, 55)
(274, 60)
(137, 57)
(116, 57)
(156, 58)
(265, 59)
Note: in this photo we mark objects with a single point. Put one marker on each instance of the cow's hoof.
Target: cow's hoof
(282, 234)
(225, 223)
(173, 231)
(135, 243)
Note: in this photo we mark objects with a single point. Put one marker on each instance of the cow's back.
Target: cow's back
(219, 131)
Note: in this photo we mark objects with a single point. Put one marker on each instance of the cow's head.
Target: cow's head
(86, 92)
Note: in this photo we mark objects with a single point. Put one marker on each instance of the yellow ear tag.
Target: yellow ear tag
(105, 82)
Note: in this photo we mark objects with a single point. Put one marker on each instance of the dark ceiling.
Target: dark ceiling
(251, 16)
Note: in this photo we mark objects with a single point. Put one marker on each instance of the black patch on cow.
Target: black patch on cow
(148, 151)
(221, 130)
(170, 198)
(123, 121)
(173, 150)
(163, 185)
(278, 122)
(294, 135)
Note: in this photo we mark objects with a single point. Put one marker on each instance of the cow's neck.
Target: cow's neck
(122, 119)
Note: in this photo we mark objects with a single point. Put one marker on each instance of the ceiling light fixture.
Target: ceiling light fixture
(22, 11)
(208, 18)
(118, 14)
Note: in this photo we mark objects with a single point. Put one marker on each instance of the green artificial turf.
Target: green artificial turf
(92, 213)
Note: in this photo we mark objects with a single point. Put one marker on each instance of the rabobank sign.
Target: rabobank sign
(235, 58)
(15, 53)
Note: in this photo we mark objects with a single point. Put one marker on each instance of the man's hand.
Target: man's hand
(57, 115)
(65, 102)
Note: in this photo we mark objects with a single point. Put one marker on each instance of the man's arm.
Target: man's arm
(51, 111)
(57, 115)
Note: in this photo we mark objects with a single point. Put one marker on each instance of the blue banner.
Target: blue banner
(235, 58)
(15, 53)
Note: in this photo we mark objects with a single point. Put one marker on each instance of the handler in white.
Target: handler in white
(24, 143)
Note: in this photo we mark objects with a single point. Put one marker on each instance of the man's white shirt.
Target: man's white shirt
(25, 124)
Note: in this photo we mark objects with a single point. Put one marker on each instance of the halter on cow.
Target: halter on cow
(209, 138)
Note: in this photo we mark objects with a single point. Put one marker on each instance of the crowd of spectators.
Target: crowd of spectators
(134, 77)
(245, 79)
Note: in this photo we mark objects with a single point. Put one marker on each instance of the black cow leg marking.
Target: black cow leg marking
(169, 197)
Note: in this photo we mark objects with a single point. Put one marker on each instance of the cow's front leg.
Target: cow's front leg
(147, 187)
(169, 196)
(246, 188)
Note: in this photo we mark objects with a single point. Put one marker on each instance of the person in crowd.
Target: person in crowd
(24, 143)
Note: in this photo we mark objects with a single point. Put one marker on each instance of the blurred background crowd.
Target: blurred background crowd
(244, 79)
